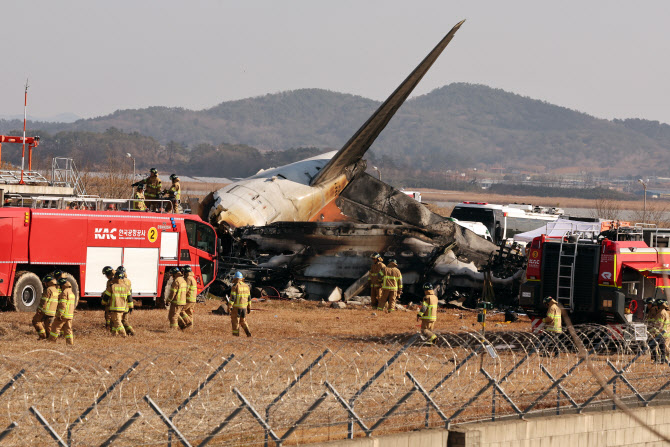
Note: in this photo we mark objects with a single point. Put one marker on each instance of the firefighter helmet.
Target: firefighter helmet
(239, 275)
(141, 186)
(393, 261)
(121, 269)
(427, 286)
(153, 171)
(662, 302)
(106, 270)
(120, 275)
(57, 273)
(47, 279)
(375, 256)
(649, 300)
(174, 177)
(186, 269)
(548, 299)
(62, 282)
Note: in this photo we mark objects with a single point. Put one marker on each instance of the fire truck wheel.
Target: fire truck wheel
(27, 292)
(75, 287)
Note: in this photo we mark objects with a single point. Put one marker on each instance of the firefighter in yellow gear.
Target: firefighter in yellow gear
(109, 272)
(177, 298)
(660, 331)
(125, 318)
(552, 328)
(138, 198)
(240, 297)
(552, 322)
(375, 277)
(428, 313)
(45, 314)
(153, 189)
(117, 300)
(64, 314)
(191, 296)
(391, 286)
(174, 194)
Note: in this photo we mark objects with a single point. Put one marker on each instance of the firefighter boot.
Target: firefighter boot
(247, 331)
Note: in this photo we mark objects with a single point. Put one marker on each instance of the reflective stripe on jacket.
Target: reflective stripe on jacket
(153, 186)
(240, 295)
(50, 301)
(192, 289)
(553, 314)
(66, 304)
(429, 307)
(376, 273)
(120, 296)
(139, 204)
(392, 279)
(178, 291)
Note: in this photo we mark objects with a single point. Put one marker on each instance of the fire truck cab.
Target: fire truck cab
(602, 279)
(35, 242)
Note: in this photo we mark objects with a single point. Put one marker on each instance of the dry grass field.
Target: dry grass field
(271, 319)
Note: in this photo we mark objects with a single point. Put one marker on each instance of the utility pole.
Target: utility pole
(644, 209)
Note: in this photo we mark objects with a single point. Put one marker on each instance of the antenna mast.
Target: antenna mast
(25, 116)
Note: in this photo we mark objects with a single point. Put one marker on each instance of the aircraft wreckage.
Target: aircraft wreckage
(318, 221)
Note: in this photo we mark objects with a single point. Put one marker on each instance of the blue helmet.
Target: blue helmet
(239, 275)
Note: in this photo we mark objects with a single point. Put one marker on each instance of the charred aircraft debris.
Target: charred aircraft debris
(317, 222)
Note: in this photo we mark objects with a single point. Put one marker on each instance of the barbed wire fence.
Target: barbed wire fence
(313, 390)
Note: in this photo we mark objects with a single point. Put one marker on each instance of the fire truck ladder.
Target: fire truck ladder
(566, 273)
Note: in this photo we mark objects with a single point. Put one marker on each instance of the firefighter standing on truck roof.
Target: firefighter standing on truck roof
(125, 319)
(174, 194)
(375, 277)
(64, 314)
(391, 286)
(138, 198)
(109, 272)
(241, 305)
(153, 189)
(428, 313)
(45, 314)
(118, 302)
(177, 298)
(191, 296)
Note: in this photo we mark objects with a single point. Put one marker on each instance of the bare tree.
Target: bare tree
(607, 209)
(656, 214)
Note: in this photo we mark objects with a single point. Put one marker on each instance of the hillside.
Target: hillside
(459, 125)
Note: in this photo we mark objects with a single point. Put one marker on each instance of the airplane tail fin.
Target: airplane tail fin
(361, 141)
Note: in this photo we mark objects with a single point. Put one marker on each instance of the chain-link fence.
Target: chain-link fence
(312, 390)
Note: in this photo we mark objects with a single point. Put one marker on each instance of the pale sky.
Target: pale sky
(610, 59)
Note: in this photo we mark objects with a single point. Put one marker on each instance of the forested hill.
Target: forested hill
(459, 125)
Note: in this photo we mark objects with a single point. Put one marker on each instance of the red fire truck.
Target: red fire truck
(602, 279)
(34, 242)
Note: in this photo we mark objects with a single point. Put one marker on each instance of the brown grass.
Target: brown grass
(291, 319)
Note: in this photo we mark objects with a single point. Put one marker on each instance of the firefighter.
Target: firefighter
(45, 314)
(118, 303)
(125, 318)
(428, 313)
(241, 305)
(109, 272)
(391, 286)
(174, 194)
(552, 326)
(659, 344)
(191, 294)
(138, 198)
(64, 314)
(375, 278)
(153, 189)
(177, 298)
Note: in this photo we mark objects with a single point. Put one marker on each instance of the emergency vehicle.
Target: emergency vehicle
(602, 279)
(36, 241)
